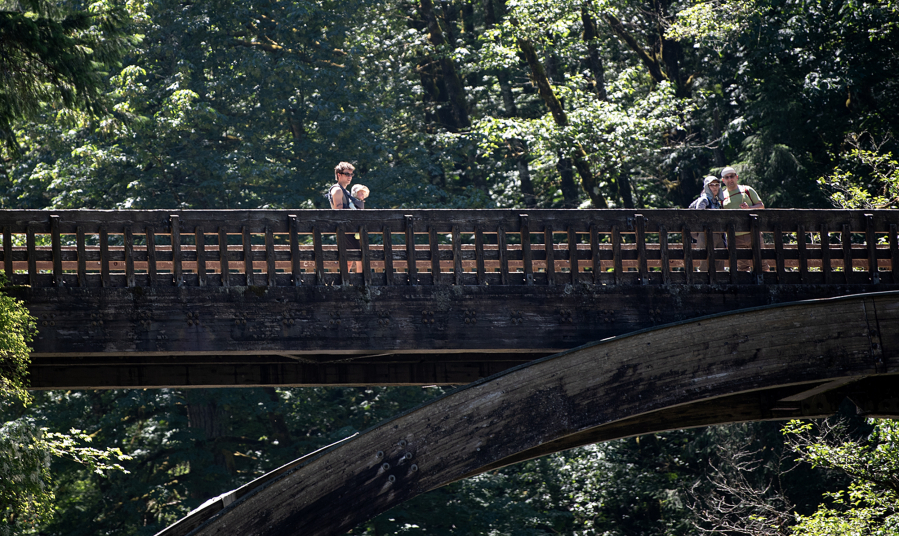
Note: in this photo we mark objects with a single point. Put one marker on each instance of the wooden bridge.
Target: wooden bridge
(266, 297)
(775, 362)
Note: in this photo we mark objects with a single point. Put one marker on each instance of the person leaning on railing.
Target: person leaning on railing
(710, 198)
(737, 196)
(341, 199)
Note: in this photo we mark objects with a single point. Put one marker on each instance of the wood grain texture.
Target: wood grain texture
(727, 368)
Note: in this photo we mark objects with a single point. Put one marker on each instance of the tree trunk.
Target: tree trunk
(594, 61)
(454, 91)
(578, 155)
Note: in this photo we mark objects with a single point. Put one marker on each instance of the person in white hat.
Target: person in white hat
(737, 196)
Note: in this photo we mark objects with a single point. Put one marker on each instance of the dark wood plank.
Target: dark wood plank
(758, 268)
(366, 256)
(572, 254)
(503, 256)
(32, 256)
(526, 255)
(129, 257)
(826, 266)
(732, 251)
(412, 269)
(177, 272)
(246, 241)
(616, 254)
(663, 256)
(343, 263)
(871, 243)
(104, 257)
(479, 255)
(803, 253)
(550, 251)
(151, 254)
(296, 270)
(388, 255)
(640, 229)
(319, 255)
(894, 251)
(779, 254)
(55, 241)
(687, 245)
(846, 239)
(457, 256)
(596, 262)
(200, 248)
(434, 247)
(7, 252)
(270, 257)
(712, 255)
(224, 257)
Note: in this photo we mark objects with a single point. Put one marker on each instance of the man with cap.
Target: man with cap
(737, 196)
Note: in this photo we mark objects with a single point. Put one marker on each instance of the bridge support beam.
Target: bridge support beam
(727, 368)
(101, 338)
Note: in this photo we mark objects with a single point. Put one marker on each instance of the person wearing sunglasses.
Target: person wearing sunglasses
(737, 196)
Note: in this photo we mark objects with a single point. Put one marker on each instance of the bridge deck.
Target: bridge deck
(203, 298)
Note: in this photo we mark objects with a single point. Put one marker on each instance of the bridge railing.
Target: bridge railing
(82, 248)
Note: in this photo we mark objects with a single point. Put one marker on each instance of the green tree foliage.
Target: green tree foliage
(55, 56)
(870, 504)
(867, 177)
(17, 328)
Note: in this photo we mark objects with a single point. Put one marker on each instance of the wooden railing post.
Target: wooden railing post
(826, 267)
(247, 241)
(731, 251)
(894, 252)
(757, 266)
(270, 256)
(318, 251)
(342, 261)
(366, 257)
(712, 255)
(294, 239)
(200, 242)
(594, 254)
(479, 255)
(411, 268)
(846, 239)
(503, 256)
(572, 254)
(871, 242)
(151, 255)
(56, 245)
(176, 250)
(434, 248)
(803, 253)
(32, 256)
(7, 252)
(223, 257)
(129, 257)
(458, 271)
(104, 256)
(550, 251)
(780, 269)
(640, 229)
(388, 255)
(526, 258)
(663, 255)
(616, 254)
(687, 246)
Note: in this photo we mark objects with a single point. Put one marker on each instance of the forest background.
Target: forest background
(459, 103)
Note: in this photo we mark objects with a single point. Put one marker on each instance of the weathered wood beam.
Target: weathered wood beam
(727, 368)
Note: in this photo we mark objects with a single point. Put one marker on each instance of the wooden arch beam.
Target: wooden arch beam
(772, 362)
